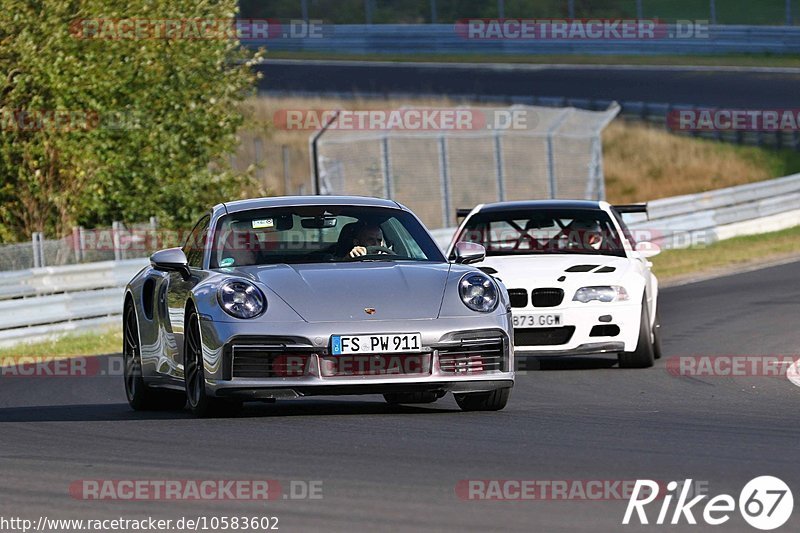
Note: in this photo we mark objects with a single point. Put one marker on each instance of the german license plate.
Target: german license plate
(538, 320)
(382, 343)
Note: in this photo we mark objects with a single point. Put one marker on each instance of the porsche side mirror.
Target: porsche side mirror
(648, 249)
(469, 252)
(171, 260)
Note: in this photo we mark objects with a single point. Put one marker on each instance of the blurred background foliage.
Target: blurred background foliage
(166, 113)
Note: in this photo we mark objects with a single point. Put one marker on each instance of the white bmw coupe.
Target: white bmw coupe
(578, 282)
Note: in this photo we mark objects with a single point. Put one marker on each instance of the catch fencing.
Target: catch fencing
(556, 154)
(117, 243)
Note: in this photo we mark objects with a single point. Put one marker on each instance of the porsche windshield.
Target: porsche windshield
(320, 234)
(544, 231)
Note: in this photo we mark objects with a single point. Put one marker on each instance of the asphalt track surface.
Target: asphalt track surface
(740, 88)
(396, 469)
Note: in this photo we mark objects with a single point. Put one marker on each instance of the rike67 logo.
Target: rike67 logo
(765, 503)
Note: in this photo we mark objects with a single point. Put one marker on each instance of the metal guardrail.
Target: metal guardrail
(41, 303)
(432, 39)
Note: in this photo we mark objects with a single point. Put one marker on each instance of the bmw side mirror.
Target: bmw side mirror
(469, 252)
(171, 260)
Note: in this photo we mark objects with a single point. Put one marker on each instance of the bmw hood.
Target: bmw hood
(522, 270)
(344, 292)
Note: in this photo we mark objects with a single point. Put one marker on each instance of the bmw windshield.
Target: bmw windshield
(544, 231)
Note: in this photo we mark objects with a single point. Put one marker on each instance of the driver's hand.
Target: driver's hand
(358, 251)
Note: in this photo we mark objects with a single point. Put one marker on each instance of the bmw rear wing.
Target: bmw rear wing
(630, 208)
(462, 212)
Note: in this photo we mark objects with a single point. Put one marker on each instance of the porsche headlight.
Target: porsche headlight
(241, 299)
(478, 292)
(605, 293)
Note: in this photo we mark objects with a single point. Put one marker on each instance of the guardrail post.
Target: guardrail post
(789, 20)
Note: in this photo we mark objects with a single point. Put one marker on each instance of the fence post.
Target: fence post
(498, 165)
(76, 244)
(789, 20)
(37, 258)
(551, 160)
(287, 180)
(304, 10)
(115, 229)
(386, 168)
(639, 10)
(433, 12)
(571, 8)
(712, 7)
(445, 181)
(501, 9)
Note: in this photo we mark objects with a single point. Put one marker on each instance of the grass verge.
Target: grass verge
(72, 345)
(727, 254)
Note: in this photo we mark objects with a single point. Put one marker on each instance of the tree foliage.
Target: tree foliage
(150, 119)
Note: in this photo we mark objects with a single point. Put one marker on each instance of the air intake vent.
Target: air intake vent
(543, 336)
(581, 268)
(547, 297)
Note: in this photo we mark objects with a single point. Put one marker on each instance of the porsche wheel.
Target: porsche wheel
(200, 403)
(140, 396)
(644, 355)
(397, 398)
(483, 401)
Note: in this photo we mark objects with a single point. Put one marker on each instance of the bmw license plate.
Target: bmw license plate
(377, 343)
(538, 320)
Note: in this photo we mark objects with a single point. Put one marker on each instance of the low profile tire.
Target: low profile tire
(657, 338)
(140, 396)
(397, 398)
(200, 403)
(483, 401)
(644, 355)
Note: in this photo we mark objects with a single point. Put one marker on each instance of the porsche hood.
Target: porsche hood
(358, 291)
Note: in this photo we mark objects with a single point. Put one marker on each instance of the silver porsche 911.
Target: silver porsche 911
(297, 296)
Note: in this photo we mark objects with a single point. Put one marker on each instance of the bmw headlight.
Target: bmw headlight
(478, 292)
(241, 299)
(606, 293)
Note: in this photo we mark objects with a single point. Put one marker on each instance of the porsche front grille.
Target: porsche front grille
(473, 356)
(254, 363)
(374, 365)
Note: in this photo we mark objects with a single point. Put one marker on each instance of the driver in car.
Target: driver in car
(368, 235)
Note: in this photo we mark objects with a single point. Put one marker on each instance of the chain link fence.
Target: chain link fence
(116, 243)
(557, 154)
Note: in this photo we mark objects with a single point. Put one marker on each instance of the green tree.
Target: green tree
(150, 119)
